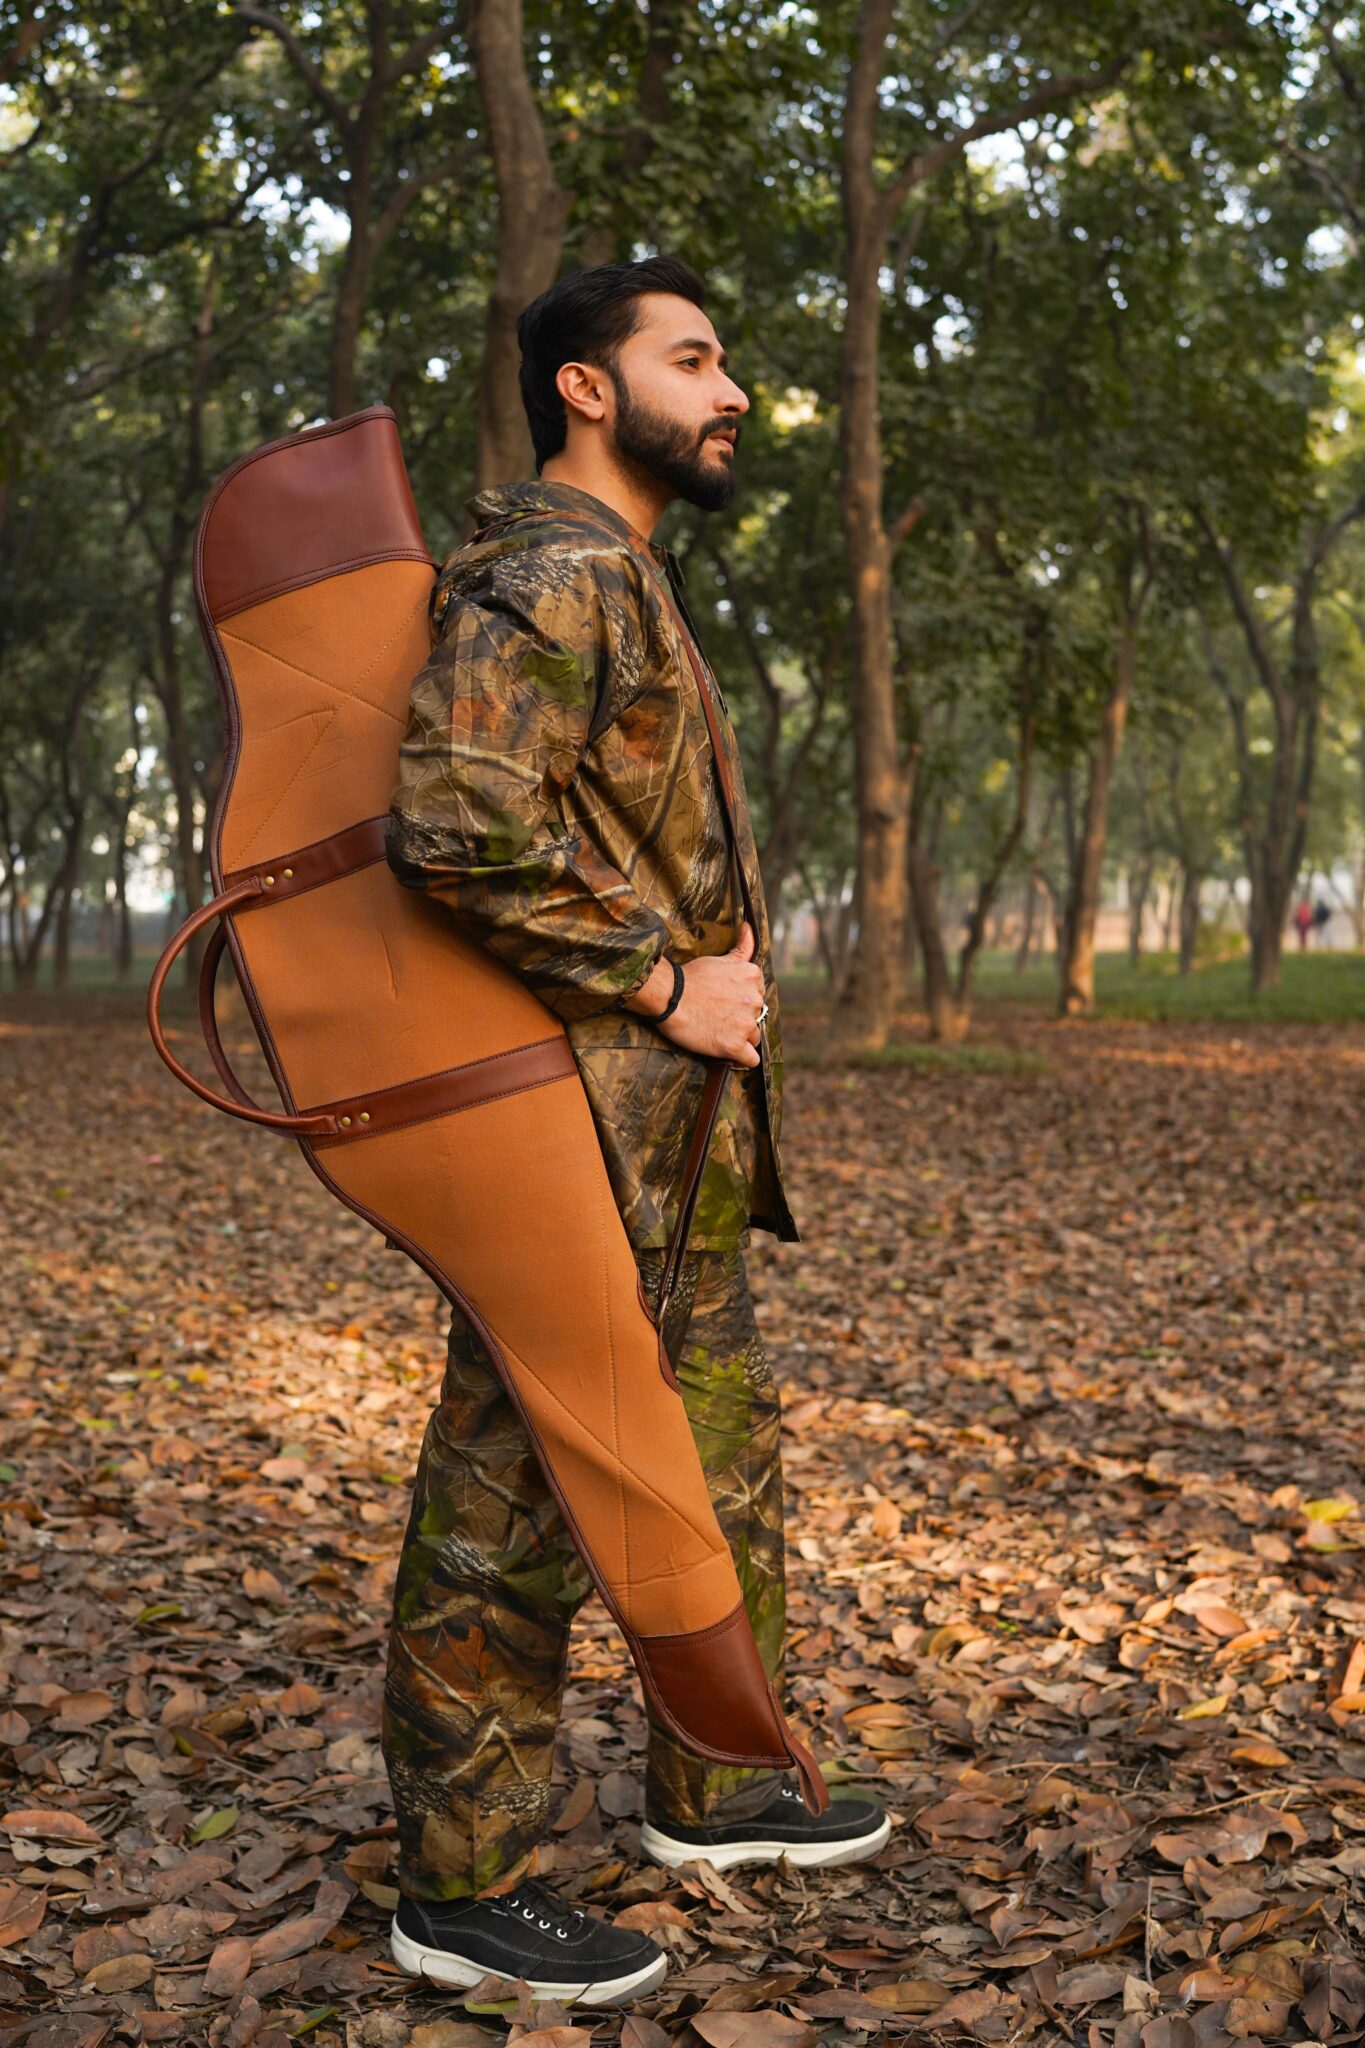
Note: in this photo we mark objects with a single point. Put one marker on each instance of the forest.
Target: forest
(1045, 585)
(1040, 614)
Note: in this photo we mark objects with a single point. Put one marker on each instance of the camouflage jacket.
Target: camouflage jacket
(556, 791)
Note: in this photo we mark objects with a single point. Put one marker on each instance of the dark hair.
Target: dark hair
(585, 318)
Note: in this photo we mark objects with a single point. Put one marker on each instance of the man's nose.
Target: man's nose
(735, 400)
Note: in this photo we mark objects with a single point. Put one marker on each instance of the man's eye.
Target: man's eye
(690, 359)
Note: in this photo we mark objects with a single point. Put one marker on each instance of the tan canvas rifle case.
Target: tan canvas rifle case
(408, 1058)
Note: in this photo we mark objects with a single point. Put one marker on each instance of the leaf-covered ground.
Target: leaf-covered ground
(1070, 1359)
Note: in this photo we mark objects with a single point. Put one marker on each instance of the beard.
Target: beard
(667, 451)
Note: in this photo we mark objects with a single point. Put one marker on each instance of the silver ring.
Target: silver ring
(761, 1015)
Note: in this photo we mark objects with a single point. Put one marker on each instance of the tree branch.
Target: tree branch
(30, 32)
(1248, 618)
(420, 181)
(917, 169)
(1332, 185)
(955, 27)
(262, 17)
(416, 54)
(1322, 547)
(904, 525)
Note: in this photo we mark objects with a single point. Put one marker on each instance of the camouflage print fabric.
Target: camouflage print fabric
(556, 792)
(489, 1582)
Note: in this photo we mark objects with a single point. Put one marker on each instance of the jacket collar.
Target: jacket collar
(526, 500)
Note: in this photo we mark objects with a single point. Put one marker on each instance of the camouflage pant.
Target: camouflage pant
(489, 1582)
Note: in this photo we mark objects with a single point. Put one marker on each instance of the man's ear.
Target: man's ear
(583, 390)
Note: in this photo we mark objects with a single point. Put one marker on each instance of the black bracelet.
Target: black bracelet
(671, 1005)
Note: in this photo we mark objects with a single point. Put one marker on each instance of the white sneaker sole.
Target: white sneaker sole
(663, 1848)
(439, 1966)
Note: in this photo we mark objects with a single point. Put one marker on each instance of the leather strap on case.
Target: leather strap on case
(350, 1118)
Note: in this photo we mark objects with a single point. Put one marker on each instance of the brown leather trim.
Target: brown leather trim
(416, 1102)
(666, 1372)
(814, 1790)
(265, 543)
(325, 860)
(304, 577)
(712, 1681)
(703, 1131)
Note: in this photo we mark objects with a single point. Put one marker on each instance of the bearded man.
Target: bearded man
(557, 792)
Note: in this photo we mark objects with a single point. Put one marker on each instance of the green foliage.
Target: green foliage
(1108, 330)
(1317, 988)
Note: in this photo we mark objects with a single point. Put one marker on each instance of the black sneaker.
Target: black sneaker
(846, 1832)
(562, 1952)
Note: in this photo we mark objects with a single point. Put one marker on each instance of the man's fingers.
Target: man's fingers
(744, 943)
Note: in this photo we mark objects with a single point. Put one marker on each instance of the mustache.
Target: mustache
(730, 427)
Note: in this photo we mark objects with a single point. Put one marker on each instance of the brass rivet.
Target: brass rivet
(364, 1116)
(270, 881)
(288, 873)
(345, 1120)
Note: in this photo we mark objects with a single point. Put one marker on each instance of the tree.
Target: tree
(382, 87)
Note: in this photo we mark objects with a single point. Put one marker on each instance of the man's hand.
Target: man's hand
(718, 1010)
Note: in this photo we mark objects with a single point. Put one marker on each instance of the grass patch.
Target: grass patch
(1315, 988)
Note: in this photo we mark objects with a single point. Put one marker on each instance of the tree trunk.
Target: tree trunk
(189, 860)
(820, 912)
(1271, 889)
(1191, 882)
(995, 870)
(610, 241)
(1139, 888)
(28, 940)
(882, 781)
(352, 296)
(123, 919)
(1083, 897)
(533, 210)
(822, 945)
(883, 778)
(61, 936)
(1275, 851)
(947, 1016)
(1028, 918)
(843, 933)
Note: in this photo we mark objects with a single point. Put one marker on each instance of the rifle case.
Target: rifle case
(408, 1058)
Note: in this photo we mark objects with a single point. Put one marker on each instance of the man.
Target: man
(557, 792)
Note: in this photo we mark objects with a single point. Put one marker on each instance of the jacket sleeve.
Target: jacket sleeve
(498, 720)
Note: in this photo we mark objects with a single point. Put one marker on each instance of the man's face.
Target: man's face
(677, 415)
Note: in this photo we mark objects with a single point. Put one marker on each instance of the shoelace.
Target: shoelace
(527, 1909)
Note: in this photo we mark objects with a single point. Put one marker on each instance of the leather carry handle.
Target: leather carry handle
(208, 1018)
(239, 1104)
